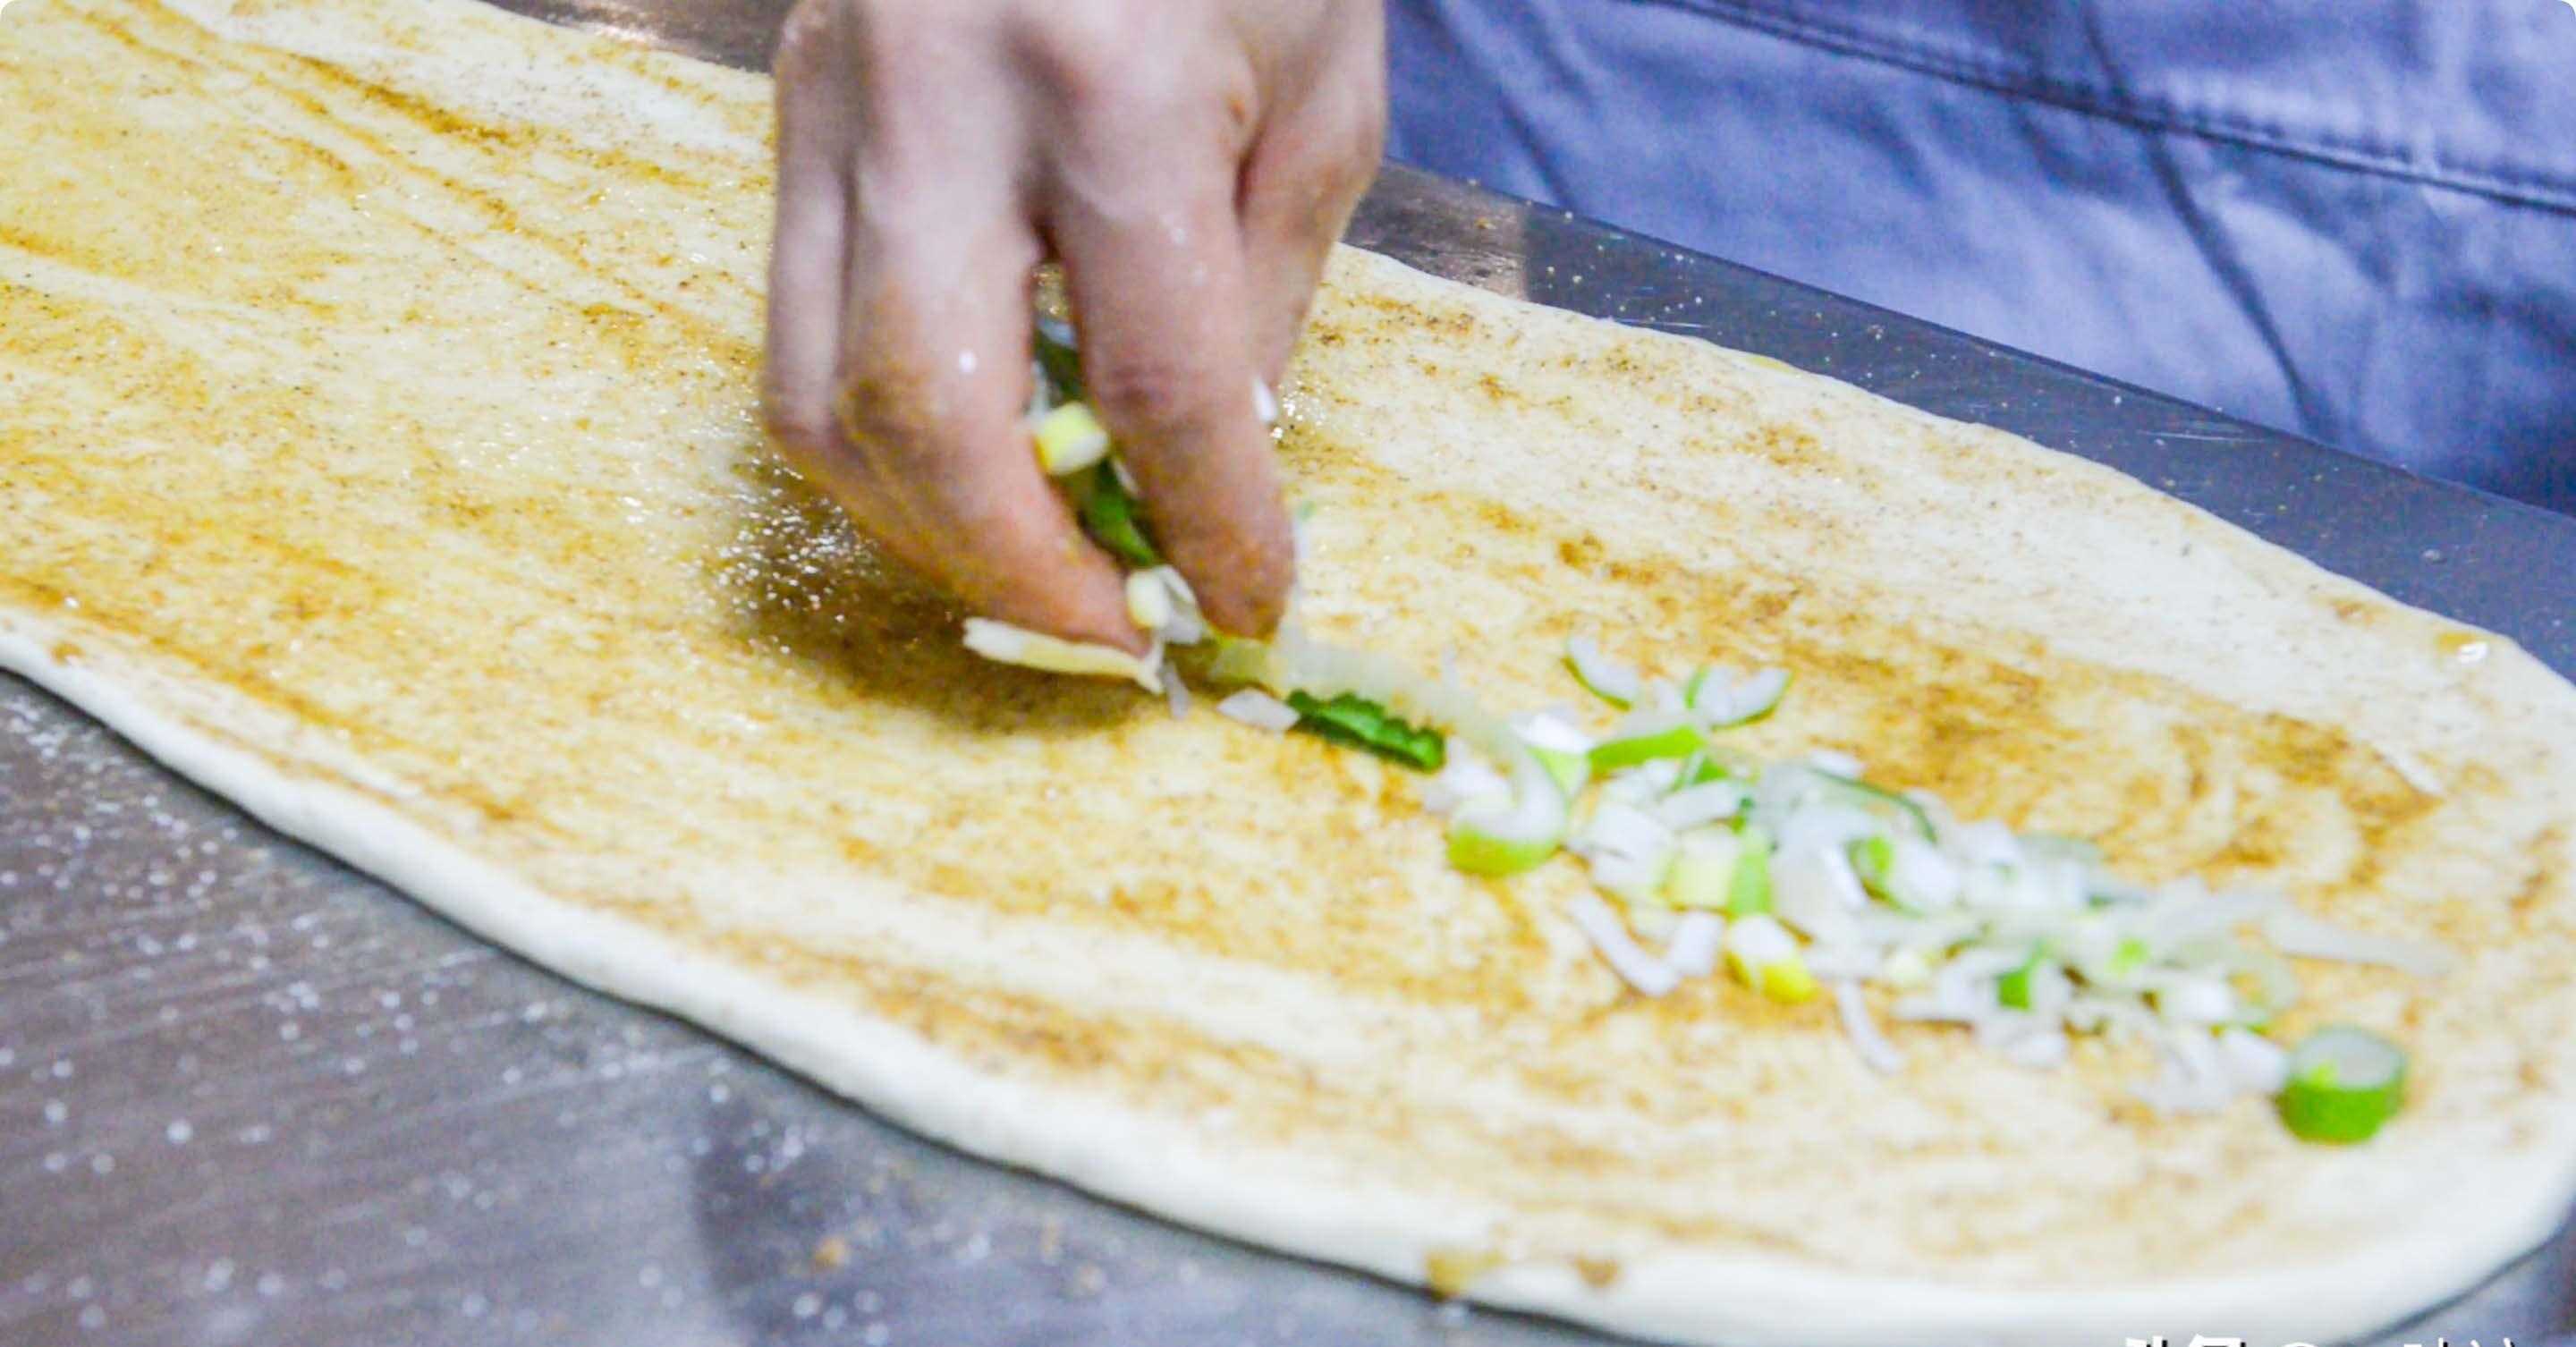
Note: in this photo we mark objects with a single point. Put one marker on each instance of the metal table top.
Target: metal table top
(250, 1096)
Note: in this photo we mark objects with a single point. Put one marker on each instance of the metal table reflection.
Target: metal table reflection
(249, 1096)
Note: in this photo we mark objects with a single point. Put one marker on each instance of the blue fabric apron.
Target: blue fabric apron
(2355, 221)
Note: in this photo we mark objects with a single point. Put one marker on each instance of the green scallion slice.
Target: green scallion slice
(1718, 762)
(1762, 953)
(1601, 675)
(1748, 894)
(2345, 1084)
(1873, 859)
(1063, 365)
(1115, 519)
(1505, 837)
(1704, 867)
(1476, 851)
(1360, 723)
(2012, 990)
(1884, 803)
(1568, 770)
(1678, 739)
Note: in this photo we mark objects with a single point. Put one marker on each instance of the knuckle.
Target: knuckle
(1076, 50)
(862, 40)
(887, 416)
(1085, 57)
(1237, 96)
(801, 29)
(806, 40)
(1327, 161)
(1156, 391)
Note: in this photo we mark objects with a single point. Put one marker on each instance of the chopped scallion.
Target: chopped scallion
(2012, 990)
(1115, 519)
(1069, 439)
(1063, 365)
(2345, 1084)
(1748, 894)
(1678, 739)
(1354, 720)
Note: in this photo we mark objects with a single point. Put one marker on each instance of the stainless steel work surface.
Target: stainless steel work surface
(249, 1096)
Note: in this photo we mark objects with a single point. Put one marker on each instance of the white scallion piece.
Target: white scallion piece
(1554, 732)
(1821, 827)
(1697, 938)
(1815, 890)
(1643, 971)
(1758, 694)
(1875, 1051)
(1905, 969)
(1185, 626)
(1506, 835)
(1260, 710)
(2202, 999)
(1693, 806)
(1723, 700)
(1561, 746)
(2254, 1064)
(2040, 1050)
(1149, 603)
(1702, 873)
(1602, 676)
(1963, 990)
(1985, 843)
(1617, 827)
(1847, 963)
(1465, 777)
(1921, 877)
(1642, 786)
(1297, 662)
(2192, 915)
(1006, 644)
(2120, 1018)
(1652, 922)
(1835, 762)
(1628, 848)
(1069, 439)
(2295, 932)
(1765, 957)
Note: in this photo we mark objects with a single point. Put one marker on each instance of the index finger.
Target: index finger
(934, 386)
(1168, 356)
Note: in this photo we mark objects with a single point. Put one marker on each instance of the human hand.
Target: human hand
(1190, 163)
